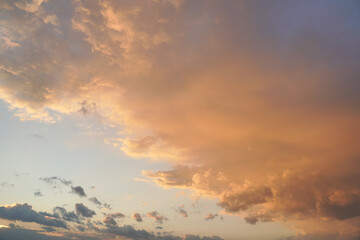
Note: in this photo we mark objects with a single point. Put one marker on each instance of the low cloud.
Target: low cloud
(137, 217)
(38, 193)
(56, 180)
(61, 212)
(82, 210)
(25, 213)
(210, 216)
(110, 221)
(99, 203)
(181, 210)
(158, 218)
(78, 190)
(116, 215)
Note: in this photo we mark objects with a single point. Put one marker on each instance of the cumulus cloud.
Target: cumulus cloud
(110, 221)
(82, 210)
(61, 212)
(137, 217)
(78, 191)
(25, 213)
(157, 217)
(253, 114)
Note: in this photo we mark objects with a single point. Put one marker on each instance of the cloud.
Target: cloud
(95, 200)
(116, 215)
(56, 180)
(17, 233)
(38, 193)
(182, 211)
(245, 198)
(49, 229)
(6, 184)
(250, 115)
(25, 213)
(211, 216)
(100, 204)
(157, 217)
(82, 210)
(61, 212)
(137, 217)
(78, 191)
(110, 221)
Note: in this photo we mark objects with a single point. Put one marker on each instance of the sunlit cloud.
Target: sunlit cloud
(254, 104)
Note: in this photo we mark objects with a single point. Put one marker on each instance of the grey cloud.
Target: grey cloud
(49, 229)
(64, 214)
(158, 218)
(137, 217)
(110, 221)
(38, 193)
(56, 180)
(95, 200)
(82, 210)
(25, 213)
(99, 203)
(116, 215)
(211, 216)
(17, 233)
(78, 190)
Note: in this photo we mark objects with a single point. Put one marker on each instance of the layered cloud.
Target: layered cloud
(255, 103)
(25, 213)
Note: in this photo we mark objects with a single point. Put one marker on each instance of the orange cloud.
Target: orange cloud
(252, 106)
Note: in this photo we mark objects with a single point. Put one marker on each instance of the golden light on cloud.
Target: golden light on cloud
(251, 104)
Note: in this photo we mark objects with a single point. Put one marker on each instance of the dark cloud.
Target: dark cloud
(110, 221)
(25, 213)
(99, 203)
(56, 180)
(80, 228)
(78, 190)
(82, 210)
(21, 234)
(137, 217)
(17, 233)
(61, 212)
(129, 232)
(158, 218)
(211, 216)
(49, 229)
(116, 215)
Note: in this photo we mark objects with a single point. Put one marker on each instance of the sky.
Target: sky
(179, 120)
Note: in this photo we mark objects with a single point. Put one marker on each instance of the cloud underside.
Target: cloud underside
(63, 224)
(264, 116)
